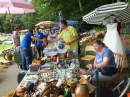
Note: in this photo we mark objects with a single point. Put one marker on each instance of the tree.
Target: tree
(6, 25)
(2, 18)
(49, 10)
(80, 5)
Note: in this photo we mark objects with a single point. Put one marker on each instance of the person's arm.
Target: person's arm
(100, 65)
(14, 38)
(54, 40)
(103, 64)
(91, 66)
(73, 40)
(34, 38)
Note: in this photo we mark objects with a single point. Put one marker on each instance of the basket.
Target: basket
(50, 89)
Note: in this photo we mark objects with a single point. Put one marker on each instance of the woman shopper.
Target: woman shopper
(104, 62)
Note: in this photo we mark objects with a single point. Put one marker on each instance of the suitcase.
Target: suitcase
(21, 76)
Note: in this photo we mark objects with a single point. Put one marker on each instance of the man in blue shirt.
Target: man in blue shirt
(26, 50)
(39, 45)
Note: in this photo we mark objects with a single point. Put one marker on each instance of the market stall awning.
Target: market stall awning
(120, 10)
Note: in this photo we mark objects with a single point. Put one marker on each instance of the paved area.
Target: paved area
(8, 79)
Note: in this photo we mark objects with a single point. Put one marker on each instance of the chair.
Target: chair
(119, 91)
(120, 62)
(88, 57)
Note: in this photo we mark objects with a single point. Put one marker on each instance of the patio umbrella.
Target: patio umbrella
(119, 10)
(15, 7)
(46, 24)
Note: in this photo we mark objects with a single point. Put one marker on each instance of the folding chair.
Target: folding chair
(88, 57)
(119, 91)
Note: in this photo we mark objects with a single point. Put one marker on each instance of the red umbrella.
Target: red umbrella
(15, 7)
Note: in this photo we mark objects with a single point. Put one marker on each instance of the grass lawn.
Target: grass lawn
(5, 46)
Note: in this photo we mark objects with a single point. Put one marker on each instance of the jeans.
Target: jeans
(26, 57)
(40, 50)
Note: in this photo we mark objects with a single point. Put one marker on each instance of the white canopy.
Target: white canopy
(120, 10)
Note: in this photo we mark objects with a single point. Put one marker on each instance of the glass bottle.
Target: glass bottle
(77, 63)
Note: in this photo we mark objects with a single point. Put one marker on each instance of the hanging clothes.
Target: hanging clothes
(112, 39)
(118, 25)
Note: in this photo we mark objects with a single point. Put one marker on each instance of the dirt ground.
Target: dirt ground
(126, 41)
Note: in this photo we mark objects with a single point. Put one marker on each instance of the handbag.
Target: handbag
(108, 71)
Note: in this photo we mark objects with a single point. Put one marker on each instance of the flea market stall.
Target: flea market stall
(56, 75)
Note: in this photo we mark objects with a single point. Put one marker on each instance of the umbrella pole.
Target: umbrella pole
(12, 29)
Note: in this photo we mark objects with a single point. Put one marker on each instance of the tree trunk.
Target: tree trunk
(112, 1)
(118, 0)
(80, 5)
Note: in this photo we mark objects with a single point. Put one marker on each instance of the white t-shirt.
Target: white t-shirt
(17, 38)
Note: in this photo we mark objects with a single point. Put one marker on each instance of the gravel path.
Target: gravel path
(8, 80)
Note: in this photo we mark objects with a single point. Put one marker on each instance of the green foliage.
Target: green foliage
(49, 10)
(99, 28)
(6, 25)
(5, 47)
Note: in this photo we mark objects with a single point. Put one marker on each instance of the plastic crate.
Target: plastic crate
(17, 57)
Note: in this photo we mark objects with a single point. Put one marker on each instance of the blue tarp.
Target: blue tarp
(70, 22)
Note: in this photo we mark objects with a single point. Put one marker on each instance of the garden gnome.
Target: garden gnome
(67, 92)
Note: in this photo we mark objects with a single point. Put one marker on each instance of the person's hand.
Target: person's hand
(50, 41)
(89, 66)
(67, 43)
(44, 44)
(44, 40)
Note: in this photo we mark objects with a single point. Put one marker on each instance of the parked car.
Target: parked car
(8, 41)
(9, 34)
(7, 38)
(0, 41)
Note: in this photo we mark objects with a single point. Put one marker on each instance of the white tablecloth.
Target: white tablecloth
(52, 53)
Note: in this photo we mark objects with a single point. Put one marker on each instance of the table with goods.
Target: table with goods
(58, 75)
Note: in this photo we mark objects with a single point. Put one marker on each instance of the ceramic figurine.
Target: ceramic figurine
(72, 82)
(67, 92)
(85, 79)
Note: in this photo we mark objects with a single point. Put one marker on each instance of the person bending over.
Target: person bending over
(25, 49)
